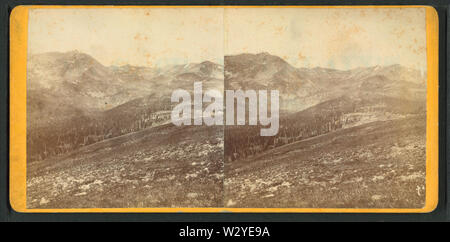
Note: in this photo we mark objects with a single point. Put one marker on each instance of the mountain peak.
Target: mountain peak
(79, 56)
(208, 63)
(265, 53)
(263, 58)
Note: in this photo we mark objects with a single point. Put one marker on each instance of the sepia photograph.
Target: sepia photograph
(226, 108)
(352, 115)
(99, 130)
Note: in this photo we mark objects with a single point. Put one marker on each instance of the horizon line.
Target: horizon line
(228, 55)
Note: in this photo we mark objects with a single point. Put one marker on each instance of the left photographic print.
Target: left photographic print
(99, 85)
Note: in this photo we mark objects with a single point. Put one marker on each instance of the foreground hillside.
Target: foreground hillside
(164, 166)
(374, 165)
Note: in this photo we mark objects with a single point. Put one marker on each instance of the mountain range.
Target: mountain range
(74, 83)
(301, 88)
(62, 86)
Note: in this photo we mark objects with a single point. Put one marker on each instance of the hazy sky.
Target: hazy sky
(147, 37)
(337, 38)
(305, 37)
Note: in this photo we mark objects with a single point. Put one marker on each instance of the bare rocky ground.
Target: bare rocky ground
(375, 165)
(165, 166)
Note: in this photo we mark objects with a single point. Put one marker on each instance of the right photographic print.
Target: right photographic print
(351, 107)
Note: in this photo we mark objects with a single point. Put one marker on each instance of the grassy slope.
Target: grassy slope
(375, 165)
(379, 164)
(159, 167)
